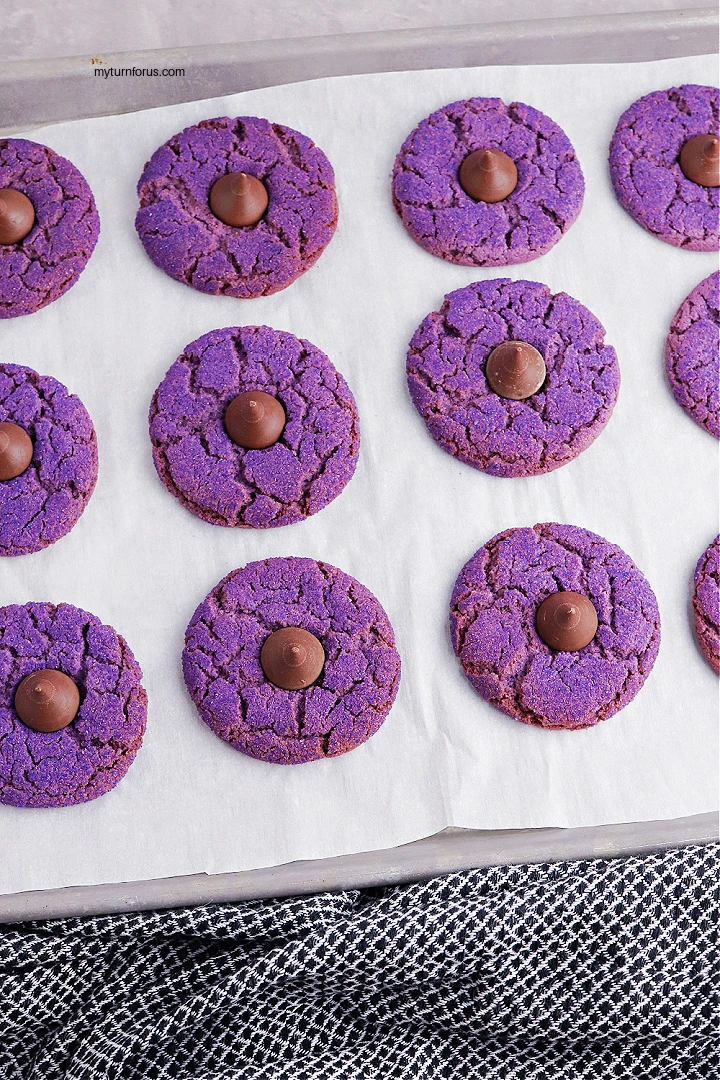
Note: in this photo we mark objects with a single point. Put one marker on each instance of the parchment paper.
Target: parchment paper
(405, 524)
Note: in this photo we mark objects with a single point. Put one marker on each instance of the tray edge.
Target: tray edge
(70, 90)
(446, 852)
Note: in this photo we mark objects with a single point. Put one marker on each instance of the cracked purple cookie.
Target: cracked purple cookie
(48, 226)
(493, 335)
(230, 161)
(706, 603)
(42, 502)
(482, 183)
(244, 618)
(646, 170)
(494, 626)
(257, 486)
(692, 354)
(93, 751)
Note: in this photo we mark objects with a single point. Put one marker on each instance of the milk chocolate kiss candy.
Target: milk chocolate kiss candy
(254, 420)
(566, 621)
(17, 216)
(700, 160)
(238, 199)
(16, 450)
(515, 370)
(488, 175)
(292, 658)
(47, 700)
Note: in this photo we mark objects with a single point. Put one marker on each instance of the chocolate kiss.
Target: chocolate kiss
(16, 450)
(17, 216)
(488, 175)
(515, 370)
(47, 700)
(700, 160)
(566, 621)
(238, 199)
(292, 658)
(255, 420)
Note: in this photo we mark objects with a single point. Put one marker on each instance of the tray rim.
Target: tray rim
(446, 852)
(451, 849)
(253, 64)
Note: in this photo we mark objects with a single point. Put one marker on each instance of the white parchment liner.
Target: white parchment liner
(405, 524)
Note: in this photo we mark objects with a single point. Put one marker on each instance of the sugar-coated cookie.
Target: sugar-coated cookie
(184, 237)
(692, 354)
(646, 172)
(63, 223)
(342, 708)
(43, 502)
(493, 615)
(92, 754)
(227, 484)
(447, 377)
(444, 219)
(706, 603)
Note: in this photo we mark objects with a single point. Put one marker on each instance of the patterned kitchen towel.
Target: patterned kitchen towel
(596, 969)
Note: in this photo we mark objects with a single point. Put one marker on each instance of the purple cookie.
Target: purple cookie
(446, 377)
(183, 237)
(692, 354)
(706, 603)
(492, 622)
(45, 501)
(347, 703)
(39, 269)
(446, 221)
(645, 166)
(221, 482)
(92, 755)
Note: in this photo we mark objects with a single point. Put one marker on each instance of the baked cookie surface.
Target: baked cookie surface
(645, 166)
(692, 354)
(442, 218)
(492, 622)
(88, 758)
(446, 364)
(43, 265)
(223, 674)
(46, 500)
(706, 603)
(225, 484)
(184, 238)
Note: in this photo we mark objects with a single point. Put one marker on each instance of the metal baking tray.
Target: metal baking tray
(47, 91)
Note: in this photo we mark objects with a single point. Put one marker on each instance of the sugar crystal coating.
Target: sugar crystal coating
(446, 221)
(692, 354)
(88, 758)
(645, 166)
(492, 623)
(46, 500)
(446, 377)
(223, 674)
(49, 260)
(706, 603)
(183, 237)
(225, 484)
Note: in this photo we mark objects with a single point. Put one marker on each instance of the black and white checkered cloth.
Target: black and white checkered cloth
(587, 969)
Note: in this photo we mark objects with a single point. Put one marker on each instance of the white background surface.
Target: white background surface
(30, 29)
(405, 524)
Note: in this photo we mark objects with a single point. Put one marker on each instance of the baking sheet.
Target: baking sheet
(405, 524)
